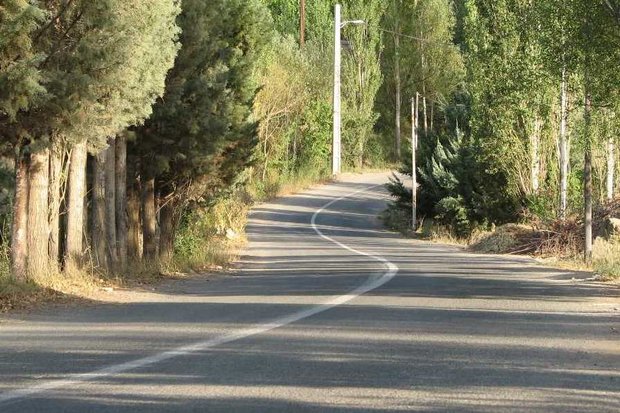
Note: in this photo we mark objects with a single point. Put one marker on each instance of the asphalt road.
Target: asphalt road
(329, 313)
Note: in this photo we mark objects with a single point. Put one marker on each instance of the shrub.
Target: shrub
(210, 237)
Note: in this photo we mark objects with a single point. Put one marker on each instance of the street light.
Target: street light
(336, 142)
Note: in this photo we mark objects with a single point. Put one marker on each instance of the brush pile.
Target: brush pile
(560, 238)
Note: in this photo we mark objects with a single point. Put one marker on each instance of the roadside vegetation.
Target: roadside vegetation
(519, 156)
(135, 136)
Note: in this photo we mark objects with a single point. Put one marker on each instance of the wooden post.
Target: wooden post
(564, 161)
(414, 144)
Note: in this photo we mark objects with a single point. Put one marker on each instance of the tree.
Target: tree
(20, 87)
(20, 79)
(286, 15)
(361, 77)
(421, 57)
(201, 136)
(102, 65)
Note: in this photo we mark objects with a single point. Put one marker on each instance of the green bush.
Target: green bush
(210, 237)
(452, 212)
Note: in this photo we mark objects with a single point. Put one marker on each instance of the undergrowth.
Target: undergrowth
(559, 243)
(208, 239)
(211, 238)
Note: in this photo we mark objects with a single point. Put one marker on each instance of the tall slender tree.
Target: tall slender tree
(102, 65)
(201, 136)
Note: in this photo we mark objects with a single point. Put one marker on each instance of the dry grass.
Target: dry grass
(441, 235)
(501, 241)
(560, 247)
(53, 287)
(606, 258)
(211, 241)
(275, 186)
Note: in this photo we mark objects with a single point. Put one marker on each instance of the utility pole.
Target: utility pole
(564, 156)
(337, 115)
(302, 23)
(337, 141)
(397, 79)
(414, 145)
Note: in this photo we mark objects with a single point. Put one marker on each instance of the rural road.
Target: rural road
(328, 313)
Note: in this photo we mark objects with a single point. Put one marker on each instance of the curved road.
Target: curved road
(329, 313)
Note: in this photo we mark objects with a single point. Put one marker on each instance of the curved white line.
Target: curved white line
(369, 285)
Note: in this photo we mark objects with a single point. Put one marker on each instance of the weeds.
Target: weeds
(211, 238)
(606, 258)
(276, 185)
(208, 239)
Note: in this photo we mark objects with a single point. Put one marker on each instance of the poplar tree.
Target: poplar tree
(361, 77)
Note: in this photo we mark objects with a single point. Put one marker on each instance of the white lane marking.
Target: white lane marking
(369, 285)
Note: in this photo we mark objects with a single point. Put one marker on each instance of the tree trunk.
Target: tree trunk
(432, 118)
(168, 224)
(587, 176)
(121, 199)
(564, 156)
(611, 168)
(360, 158)
(149, 220)
(535, 161)
(133, 215)
(414, 177)
(110, 205)
(74, 248)
(19, 229)
(425, 113)
(54, 203)
(98, 234)
(38, 209)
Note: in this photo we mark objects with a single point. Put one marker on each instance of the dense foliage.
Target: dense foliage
(201, 136)
(128, 121)
(530, 133)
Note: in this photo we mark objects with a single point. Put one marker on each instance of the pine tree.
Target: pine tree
(20, 79)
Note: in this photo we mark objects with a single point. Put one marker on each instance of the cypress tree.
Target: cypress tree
(201, 135)
(20, 87)
(102, 65)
